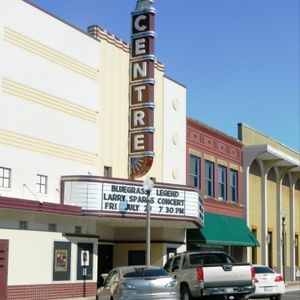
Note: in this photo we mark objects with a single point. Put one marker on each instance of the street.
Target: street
(292, 295)
(288, 296)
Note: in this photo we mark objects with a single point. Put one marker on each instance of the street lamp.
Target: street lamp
(283, 217)
(148, 186)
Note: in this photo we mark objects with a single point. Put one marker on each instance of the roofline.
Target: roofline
(268, 137)
(221, 134)
(58, 18)
(177, 82)
(159, 65)
(266, 148)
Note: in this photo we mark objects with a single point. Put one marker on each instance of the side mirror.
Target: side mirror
(175, 269)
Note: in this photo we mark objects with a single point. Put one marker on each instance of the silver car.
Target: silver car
(138, 283)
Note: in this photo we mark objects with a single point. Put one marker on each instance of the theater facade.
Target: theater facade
(85, 119)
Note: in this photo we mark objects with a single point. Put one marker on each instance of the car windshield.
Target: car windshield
(262, 269)
(143, 272)
(201, 259)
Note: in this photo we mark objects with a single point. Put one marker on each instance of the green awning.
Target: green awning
(223, 230)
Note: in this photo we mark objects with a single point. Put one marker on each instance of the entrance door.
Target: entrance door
(270, 249)
(105, 260)
(136, 257)
(3, 268)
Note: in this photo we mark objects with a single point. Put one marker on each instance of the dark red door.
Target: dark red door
(3, 268)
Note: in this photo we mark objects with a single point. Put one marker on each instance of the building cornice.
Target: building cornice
(192, 123)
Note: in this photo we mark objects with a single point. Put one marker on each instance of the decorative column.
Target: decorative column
(247, 161)
(264, 215)
(293, 180)
(278, 219)
(266, 166)
(281, 214)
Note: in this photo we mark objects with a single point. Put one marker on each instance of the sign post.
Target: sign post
(148, 186)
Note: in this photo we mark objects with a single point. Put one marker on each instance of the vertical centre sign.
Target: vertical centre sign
(141, 104)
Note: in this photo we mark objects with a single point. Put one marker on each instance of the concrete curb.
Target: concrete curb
(82, 298)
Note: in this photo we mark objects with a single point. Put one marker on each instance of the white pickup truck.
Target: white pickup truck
(212, 274)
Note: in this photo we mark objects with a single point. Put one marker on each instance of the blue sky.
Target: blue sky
(238, 58)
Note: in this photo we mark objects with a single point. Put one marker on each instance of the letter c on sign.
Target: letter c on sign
(137, 21)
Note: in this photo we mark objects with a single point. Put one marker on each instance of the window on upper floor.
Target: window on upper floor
(209, 178)
(52, 227)
(23, 225)
(41, 183)
(194, 171)
(78, 229)
(107, 171)
(5, 177)
(233, 185)
(222, 182)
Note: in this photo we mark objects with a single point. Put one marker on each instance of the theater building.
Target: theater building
(84, 119)
(272, 201)
(215, 167)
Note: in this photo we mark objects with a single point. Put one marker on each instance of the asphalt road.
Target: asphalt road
(291, 296)
(288, 296)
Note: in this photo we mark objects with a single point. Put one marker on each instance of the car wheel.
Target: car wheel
(277, 297)
(185, 293)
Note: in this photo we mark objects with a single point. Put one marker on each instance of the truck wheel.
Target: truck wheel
(185, 293)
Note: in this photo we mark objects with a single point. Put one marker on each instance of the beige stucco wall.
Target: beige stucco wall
(113, 110)
(31, 256)
(157, 167)
(297, 216)
(114, 113)
(250, 136)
